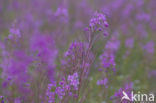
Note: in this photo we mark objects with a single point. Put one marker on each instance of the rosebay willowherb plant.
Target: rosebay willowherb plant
(76, 66)
(68, 51)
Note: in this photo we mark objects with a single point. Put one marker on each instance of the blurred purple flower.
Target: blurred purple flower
(152, 73)
(62, 14)
(107, 60)
(14, 33)
(15, 67)
(103, 82)
(98, 23)
(73, 80)
(44, 50)
(150, 47)
(129, 43)
(113, 44)
(50, 93)
(17, 100)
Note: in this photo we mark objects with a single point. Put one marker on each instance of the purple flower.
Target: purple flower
(75, 55)
(74, 48)
(44, 45)
(103, 82)
(129, 43)
(60, 92)
(107, 60)
(98, 19)
(113, 44)
(14, 33)
(149, 47)
(74, 80)
(62, 14)
(152, 73)
(44, 50)
(50, 93)
(17, 100)
(144, 17)
(15, 69)
(98, 23)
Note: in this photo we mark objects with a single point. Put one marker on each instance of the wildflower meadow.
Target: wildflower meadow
(77, 51)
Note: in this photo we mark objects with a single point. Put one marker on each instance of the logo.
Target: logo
(138, 97)
(125, 96)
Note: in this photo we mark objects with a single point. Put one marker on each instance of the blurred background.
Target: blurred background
(35, 34)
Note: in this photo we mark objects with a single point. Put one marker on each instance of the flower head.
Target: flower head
(14, 33)
(73, 80)
(98, 23)
(103, 82)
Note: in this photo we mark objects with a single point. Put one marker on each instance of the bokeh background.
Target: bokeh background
(36, 34)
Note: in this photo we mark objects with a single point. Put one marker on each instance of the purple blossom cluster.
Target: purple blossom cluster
(64, 88)
(73, 80)
(98, 23)
(14, 33)
(103, 82)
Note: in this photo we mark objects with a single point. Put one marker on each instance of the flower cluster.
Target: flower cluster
(14, 33)
(52, 53)
(64, 88)
(62, 14)
(98, 23)
(103, 82)
(73, 80)
(108, 57)
(149, 47)
(98, 19)
(108, 60)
